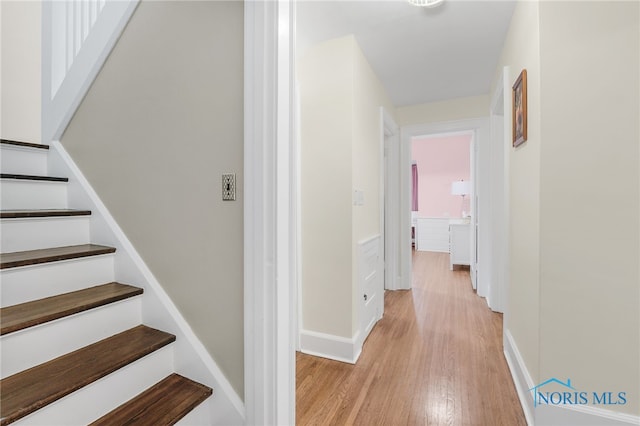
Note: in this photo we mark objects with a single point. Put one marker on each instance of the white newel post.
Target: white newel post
(77, 36)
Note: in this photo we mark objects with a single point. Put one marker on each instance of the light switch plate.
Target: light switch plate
(358, 197)
(228, 186)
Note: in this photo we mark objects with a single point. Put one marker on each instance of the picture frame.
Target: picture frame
(519, 106)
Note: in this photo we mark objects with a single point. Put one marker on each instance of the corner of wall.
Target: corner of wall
(21, 100)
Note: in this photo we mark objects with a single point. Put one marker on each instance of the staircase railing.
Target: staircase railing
(77, 37)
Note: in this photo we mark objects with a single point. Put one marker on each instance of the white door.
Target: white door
(371, 283)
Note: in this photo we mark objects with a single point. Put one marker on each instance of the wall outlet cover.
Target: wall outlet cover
(229, 187)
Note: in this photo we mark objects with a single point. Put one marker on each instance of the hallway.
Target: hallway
(435, 358)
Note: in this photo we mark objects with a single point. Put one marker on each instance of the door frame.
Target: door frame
(269, 234)
(480, 129)
(389, 199)
(500, 143)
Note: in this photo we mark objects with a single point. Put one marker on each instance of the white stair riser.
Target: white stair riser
(25, 194)
(41, 233)
(200, 415)
(34, 282)
(29, 347)
(97, 399)
(26, 161)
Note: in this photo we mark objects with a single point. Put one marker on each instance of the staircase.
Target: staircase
(74, 349)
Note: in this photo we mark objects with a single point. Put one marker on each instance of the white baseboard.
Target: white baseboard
(521, 377)
(329, 346)
(581, 415)
(556, 415)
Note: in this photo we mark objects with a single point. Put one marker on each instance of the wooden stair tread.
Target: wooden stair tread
(29, 390)
(33, 177)
(34, 257)
(24, 315)
(19, 214)
(162, 404)
(24, 144)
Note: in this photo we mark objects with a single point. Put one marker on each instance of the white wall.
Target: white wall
(522, 50)
(574, 283)
(369, 96)
(325, 75)
(20, 72)
(589, 204)
(160, 124)
(340, 100)
(450, 110)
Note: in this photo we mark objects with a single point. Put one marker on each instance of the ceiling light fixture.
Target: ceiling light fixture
(426, 3)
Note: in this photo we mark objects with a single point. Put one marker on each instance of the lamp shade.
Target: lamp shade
(460, 188)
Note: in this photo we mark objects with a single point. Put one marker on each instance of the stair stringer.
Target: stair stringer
(224, 407)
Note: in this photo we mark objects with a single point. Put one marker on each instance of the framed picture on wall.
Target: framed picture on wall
(520, 109)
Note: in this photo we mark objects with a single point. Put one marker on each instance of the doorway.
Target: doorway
(478, 203)
(442, 208)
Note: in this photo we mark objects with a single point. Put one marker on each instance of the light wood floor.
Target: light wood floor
(435, 358)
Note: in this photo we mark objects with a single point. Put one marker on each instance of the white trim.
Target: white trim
(297, 215)
(192, 359)
(474, 256)
(268, 255)
(565, 415)
(329, 346)
(521, 377)
(499, 226)
(582, 415)
(285, 218)
(389, 193)
(382, 166)
(259, 251)
(506, 188)
(404, 273)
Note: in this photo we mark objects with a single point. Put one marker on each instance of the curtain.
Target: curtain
(414, 187)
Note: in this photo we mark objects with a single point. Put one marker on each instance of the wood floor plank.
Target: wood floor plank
(436, 358)
(34, 257)
(163, 404)
(29, 390)
(29, 314)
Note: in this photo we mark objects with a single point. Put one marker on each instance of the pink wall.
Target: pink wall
(441, 160)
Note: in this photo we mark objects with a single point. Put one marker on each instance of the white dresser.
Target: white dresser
(459, 244)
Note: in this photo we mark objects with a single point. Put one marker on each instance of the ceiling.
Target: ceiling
(419, 54)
